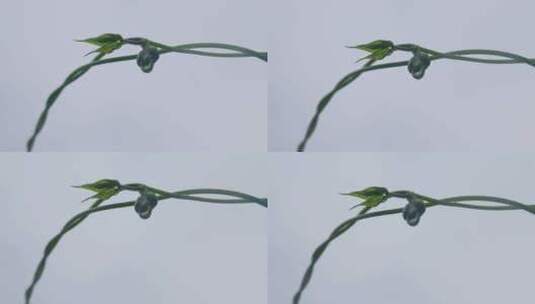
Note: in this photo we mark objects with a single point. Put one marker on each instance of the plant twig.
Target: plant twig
(198, 195)
(460, 55)
(198, 49)
(429, 202)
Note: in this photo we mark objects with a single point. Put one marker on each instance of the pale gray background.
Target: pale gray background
(187, 103)
(185, 253)
(453, 256)
(456, 107)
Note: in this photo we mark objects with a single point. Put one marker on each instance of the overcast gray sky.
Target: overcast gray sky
(203, 253)
(198, 253)
(453, 256)
(185, 253)
(456, 107)
(187, 103)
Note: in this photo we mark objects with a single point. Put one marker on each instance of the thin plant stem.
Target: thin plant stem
(241, 51)
(96, 207)
(349, 78)
(430, 202)
(188, 194)
(52, 99)
(460, 55)
(192, 49)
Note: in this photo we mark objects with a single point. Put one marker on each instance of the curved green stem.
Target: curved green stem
(349, 78)
(456, 202)
(164, 49)
(52, 99)
(239, 197)
(457, 55)
(163, 195)
(454, 55)
(243, 198)
(240, 51)
(431, 202)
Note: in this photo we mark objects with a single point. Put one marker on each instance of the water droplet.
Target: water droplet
(147, 58)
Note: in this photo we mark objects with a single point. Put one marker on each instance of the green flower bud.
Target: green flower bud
(147, 58)
(145, 203)
(418, 64)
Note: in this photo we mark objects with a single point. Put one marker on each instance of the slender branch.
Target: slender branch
(243, 198)
(460, 55)
(96, 207)
(431, 202)
(188, 194)
(52, 99)
(191, 48)
(327, 98)
(514, 58)
(240, 51)
(455, 202)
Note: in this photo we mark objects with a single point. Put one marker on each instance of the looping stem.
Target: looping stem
(96, 207)
(460, 55)
(430, 202)
(192, 48)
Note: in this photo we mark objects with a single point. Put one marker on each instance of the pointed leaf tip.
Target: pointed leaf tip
(378, 49)
(372, 196)
(106, 43)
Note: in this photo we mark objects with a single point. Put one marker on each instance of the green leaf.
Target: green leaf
(372, 196)
(107, 49)
(103, 39)
(378, 49)
(100, 185)
(107, 43)
(104, 188)
(369, 192)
